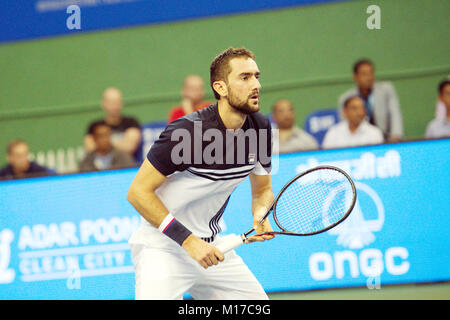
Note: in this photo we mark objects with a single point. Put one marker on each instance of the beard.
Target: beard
(242, 105)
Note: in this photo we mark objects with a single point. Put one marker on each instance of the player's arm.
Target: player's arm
(262, 199)
(142, 196)
(130, 141)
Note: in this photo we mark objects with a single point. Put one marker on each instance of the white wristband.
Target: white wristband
(167, 220)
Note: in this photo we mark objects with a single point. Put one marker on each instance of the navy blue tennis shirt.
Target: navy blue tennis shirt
(200, 140)
(203, 163)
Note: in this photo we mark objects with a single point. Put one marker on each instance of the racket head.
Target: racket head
(314, 201)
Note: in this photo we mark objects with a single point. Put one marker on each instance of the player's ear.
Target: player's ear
(221, 88)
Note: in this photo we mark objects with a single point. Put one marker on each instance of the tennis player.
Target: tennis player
(181, 194)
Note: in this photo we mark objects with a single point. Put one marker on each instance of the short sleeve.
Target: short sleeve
(167, 154)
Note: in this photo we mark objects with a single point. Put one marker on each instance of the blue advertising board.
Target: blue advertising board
(65, 237)
(28, 19)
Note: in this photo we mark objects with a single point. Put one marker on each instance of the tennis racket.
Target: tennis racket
(311, 203)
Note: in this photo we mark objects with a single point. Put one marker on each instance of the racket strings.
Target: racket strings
(314, 201)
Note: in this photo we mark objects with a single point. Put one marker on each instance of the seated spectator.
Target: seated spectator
(291, 137)
(193, 94)
(441, 111)
(355, 130)
(440, 126)
(19, 165)
(380, 101)
(105, 156)
(125, 131)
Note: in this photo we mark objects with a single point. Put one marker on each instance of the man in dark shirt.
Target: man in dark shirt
(19, 165)
(125, 131)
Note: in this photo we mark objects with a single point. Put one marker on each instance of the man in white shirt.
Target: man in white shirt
(380, 100)
(355, 130)
(440, 126)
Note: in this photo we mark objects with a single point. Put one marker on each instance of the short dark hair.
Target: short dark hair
(220, 67)
(347, 101)
(442, 85)
(96, 125)
(13, 144)
(360, 62)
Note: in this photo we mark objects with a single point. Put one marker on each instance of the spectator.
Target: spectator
(193, 94)
(105, 156)
(19, 165)
(354, 130)
(291, 137)
(441, 111)
(440, 126)
(125, 131)
(380, 101)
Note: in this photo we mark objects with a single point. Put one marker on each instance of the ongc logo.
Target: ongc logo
(357, 232)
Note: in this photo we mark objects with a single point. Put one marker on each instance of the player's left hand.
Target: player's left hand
(261, 228)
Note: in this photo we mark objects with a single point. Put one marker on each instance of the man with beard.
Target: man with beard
(182, 202)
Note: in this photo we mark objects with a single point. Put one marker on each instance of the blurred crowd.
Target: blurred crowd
(368, 113)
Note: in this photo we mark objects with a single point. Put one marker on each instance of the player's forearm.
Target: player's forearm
(148, 205)
(261, 203)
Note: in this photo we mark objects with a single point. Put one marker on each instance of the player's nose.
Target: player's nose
(256, 85)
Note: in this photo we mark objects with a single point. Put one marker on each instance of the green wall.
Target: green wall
(50, 89)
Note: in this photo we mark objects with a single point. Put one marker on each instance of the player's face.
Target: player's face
(355, 111)
(18, 158)
(365, 76)
(243, 85)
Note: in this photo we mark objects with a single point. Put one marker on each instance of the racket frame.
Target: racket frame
(273, 207)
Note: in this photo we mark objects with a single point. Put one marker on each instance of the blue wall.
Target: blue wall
(27, 19)
(65, 237)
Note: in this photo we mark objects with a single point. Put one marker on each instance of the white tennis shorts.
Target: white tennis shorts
(165, 271)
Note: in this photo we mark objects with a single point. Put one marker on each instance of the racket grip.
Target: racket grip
(230, 242)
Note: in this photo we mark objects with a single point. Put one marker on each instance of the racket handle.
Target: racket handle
(230, 242)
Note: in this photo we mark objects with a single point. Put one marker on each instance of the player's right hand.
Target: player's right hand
(204, 253)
